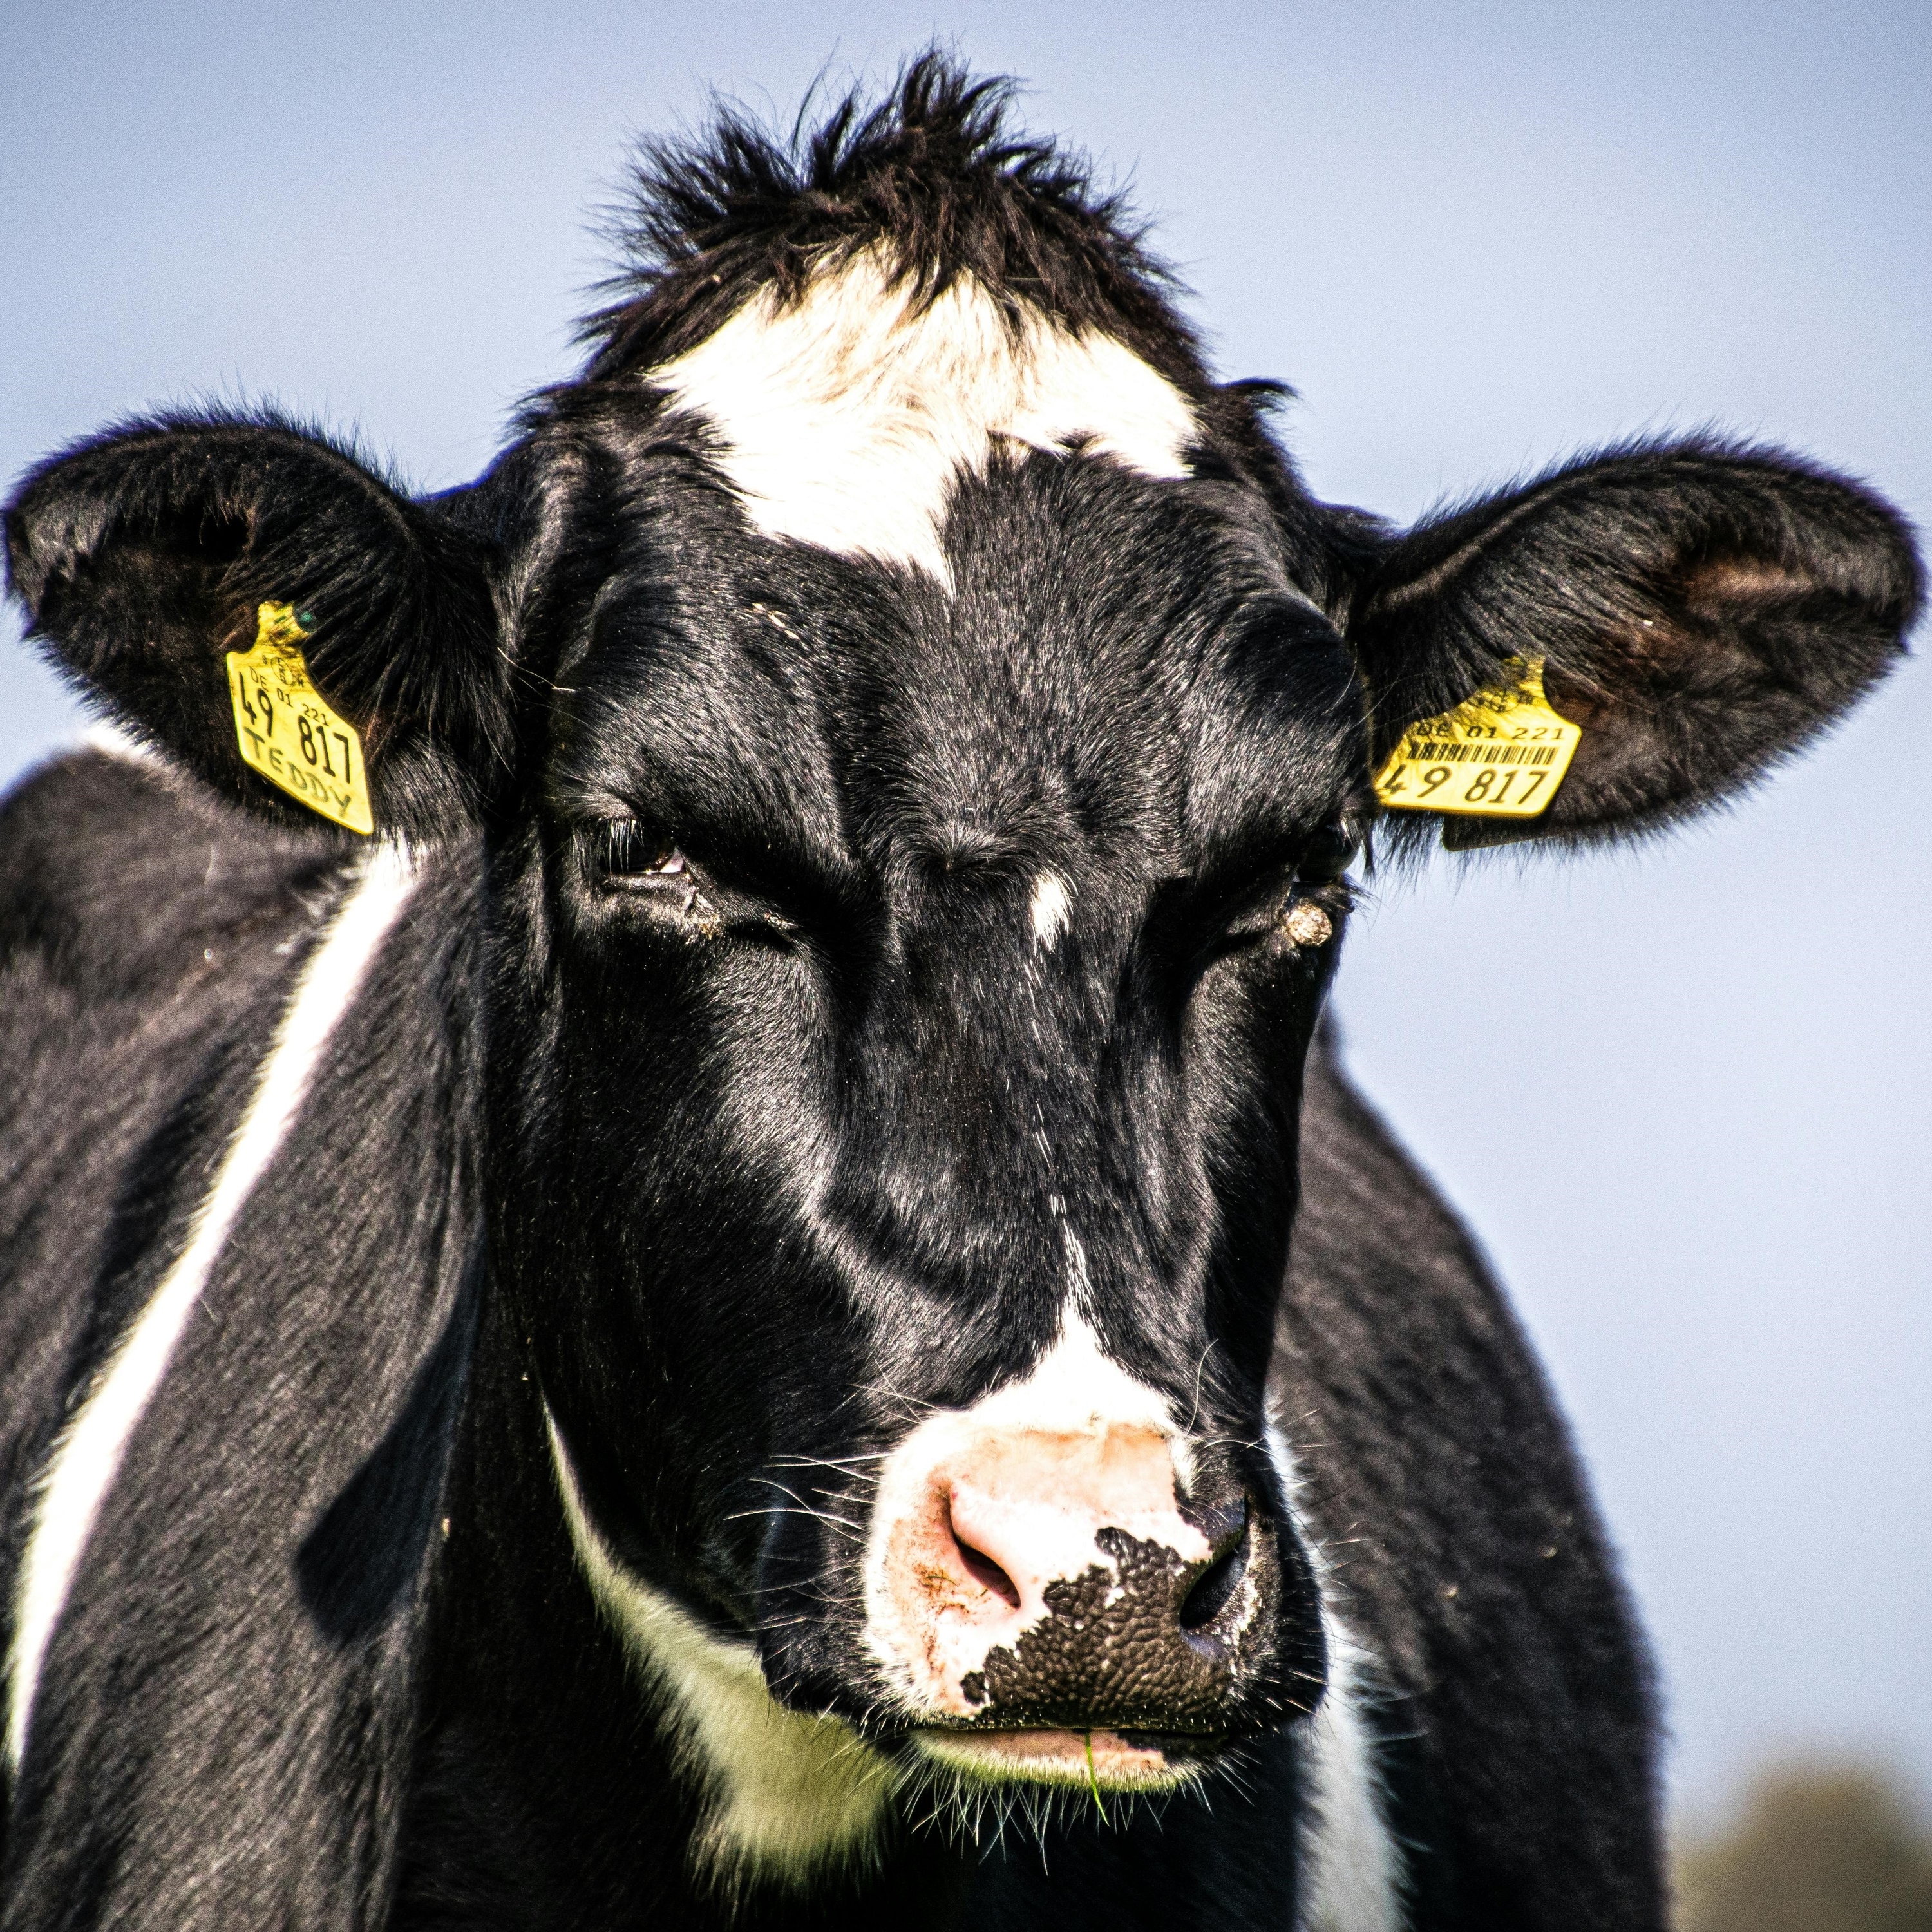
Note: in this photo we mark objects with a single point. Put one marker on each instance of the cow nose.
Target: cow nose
(1044, 1579)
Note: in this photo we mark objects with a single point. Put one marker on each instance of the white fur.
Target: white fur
(1074, 1388)
(1074, 1385)
(1052, 907)
(111, 742)
(1351, 1868)
(88, 1453)
(847, 417)
(789, 1793)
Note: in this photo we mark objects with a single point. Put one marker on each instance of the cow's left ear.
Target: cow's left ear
(146, 557)
(1699, 611)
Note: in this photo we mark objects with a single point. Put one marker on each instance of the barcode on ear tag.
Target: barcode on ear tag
(286, 731)
(1500, 753)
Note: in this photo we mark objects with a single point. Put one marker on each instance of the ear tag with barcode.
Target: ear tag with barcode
(286, 729)
(1501, 753)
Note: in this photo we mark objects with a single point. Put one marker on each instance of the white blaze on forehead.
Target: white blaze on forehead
(846, 417)
(1052, 907)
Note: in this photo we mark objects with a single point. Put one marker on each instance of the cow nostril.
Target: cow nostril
(983, 1569)
(989, 1575)
(1215, 1586)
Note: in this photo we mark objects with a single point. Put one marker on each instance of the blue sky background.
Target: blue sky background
(1475, 238)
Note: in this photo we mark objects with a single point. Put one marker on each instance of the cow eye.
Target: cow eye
(623, 856)
(1329, 853)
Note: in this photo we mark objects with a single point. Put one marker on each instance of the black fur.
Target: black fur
(147, 550)
(935, 172)
(1679, 594)
(759, 1160)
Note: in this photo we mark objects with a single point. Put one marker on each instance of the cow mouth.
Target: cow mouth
(1097, 1760)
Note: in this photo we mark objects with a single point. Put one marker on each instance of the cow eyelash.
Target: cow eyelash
(1337, 898)
(1312, 869)
(625, 860)
(1308, 879)
(621, 856)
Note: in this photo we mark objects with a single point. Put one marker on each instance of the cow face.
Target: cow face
(915, 724)
(933, 903)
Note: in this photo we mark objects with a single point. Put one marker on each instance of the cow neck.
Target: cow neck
(555, 1742)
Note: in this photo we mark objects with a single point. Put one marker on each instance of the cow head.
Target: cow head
(915, 725)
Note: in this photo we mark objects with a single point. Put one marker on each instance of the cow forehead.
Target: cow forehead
(844, 418)
(1027, 726)
(1063, 629)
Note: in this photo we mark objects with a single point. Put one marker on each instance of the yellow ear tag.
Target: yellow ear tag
(287, 733)
(1500, 753)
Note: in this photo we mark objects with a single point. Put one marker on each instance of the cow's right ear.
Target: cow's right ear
(1696, 612)
(144, 556)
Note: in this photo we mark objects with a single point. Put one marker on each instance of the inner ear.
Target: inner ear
(170, 579)
(1713, 584)
(209, 539)
(1650, 691)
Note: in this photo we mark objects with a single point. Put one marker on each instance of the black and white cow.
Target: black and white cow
(697, 1325)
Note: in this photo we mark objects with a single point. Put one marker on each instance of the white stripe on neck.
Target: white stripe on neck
(1351, 1871)
(88, 1454)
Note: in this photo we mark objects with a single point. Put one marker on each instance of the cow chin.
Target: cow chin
(1096, 1761)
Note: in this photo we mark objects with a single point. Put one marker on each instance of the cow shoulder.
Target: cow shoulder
(1466, 1548)
(145, 933)
(118, 877)
(178, 983)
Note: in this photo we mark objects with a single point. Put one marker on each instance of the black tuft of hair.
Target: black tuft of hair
(933, 173)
